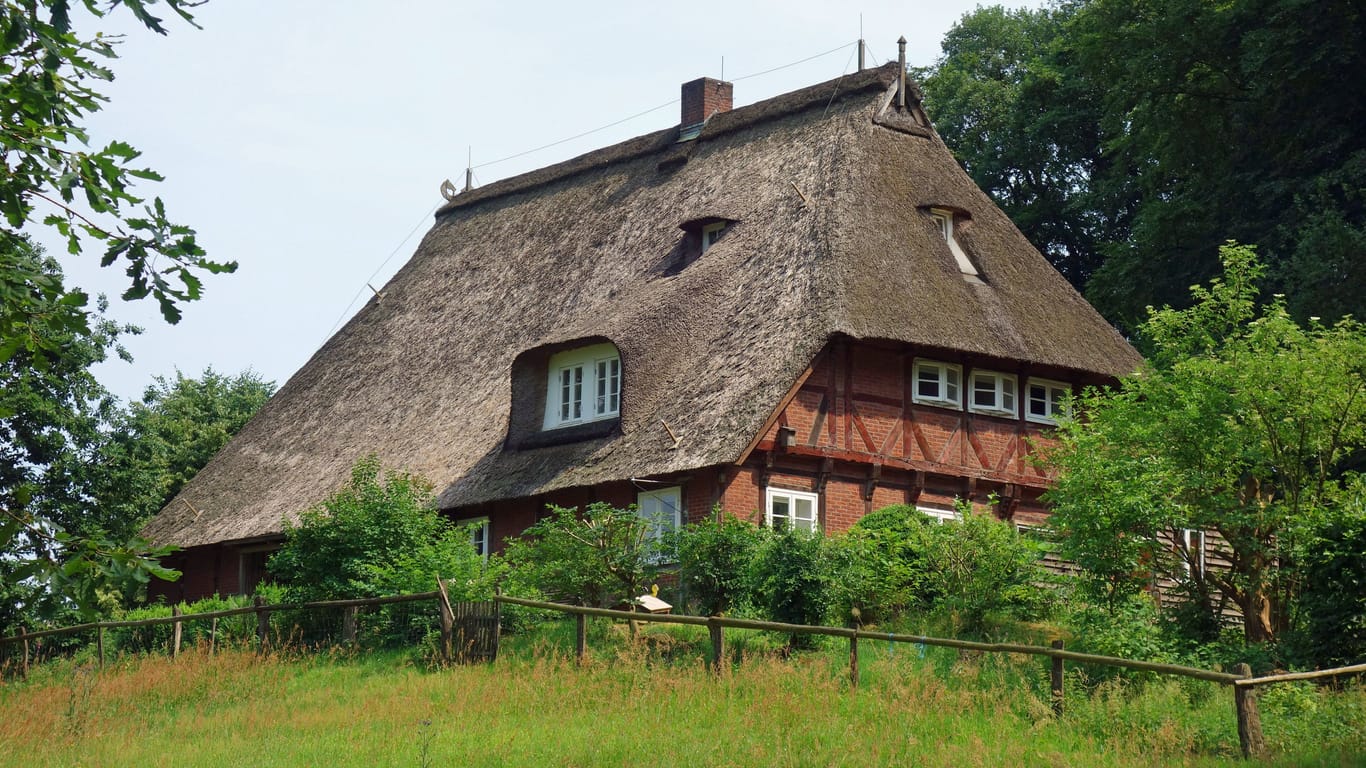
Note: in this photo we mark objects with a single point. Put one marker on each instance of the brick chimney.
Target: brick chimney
(703, 98)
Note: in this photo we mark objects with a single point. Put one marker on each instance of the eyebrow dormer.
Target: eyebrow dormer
(947, 220)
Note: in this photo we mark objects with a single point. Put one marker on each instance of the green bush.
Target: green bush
(600, 558)
(880, 565)
(790, 579)
(377, 537)
(1333, 600)
(978, 566)
(714, 559)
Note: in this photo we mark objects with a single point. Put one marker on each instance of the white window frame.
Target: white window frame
(480, 538)
(711, 233)
(1194, 540)
(944, 220)
(792, 498)
(950, 384)
(663, 509)
(1005, 389)
(1054, 394)
(583, 385)
(941, 516)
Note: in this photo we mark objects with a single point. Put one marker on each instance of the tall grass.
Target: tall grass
(645, 703)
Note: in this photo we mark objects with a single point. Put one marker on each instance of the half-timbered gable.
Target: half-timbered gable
(798, 311)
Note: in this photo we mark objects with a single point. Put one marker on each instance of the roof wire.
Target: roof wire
(654, 109)
(341, 318)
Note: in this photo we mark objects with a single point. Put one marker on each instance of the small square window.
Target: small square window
(1193, 546)
(993, 393)
(937, 384)
(711, 233)
(796, 510)
(940, 515)
(1047, 401)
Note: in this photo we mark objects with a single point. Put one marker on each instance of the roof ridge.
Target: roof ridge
(774, 107)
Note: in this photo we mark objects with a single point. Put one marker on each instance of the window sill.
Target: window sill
(949, 404)
(997, 412)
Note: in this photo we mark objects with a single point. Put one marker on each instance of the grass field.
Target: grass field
(641, 704)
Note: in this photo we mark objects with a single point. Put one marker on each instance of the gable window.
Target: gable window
(584, 386)
(480, 538)
(937, 384)
(711, 233)
(663, 509)
(794, 510)
(944, 220)
(992, 393)
(1045, 401)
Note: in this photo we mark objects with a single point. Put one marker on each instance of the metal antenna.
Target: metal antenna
(469, 169)
(860, 42)
(901, 69)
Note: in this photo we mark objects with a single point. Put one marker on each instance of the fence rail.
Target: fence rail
(470, 632)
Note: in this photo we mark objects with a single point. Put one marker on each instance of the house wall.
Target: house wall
(850, 433)
(853, 433)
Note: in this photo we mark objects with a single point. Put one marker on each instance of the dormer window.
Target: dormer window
(584, 386)
(945, 219)
(712, 232)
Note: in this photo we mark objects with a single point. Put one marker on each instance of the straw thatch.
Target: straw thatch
(829, 187)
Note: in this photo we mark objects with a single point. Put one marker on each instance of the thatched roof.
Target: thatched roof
(829, 188)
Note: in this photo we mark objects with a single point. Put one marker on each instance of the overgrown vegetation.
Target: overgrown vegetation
(1246, 427)
(380, 535)
(939, 709)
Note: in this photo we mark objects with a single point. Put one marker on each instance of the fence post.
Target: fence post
(1249, 719)
(213, 635)
(1057, 680)
(175, 632)
(853, 659)
(24, 669)
(718, 644)
(580, 637)
(262, 624)
(349, 624)
(443, 605)
(99, 642)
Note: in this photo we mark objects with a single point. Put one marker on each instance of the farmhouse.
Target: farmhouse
(799, 311)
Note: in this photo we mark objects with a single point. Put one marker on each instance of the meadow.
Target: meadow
(645, 702)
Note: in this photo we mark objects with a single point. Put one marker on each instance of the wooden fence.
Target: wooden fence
(1244, 699)
(470, 632)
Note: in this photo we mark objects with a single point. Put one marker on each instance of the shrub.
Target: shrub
(1333, 601)
(980, 565)
(790, 579)
(599, 558)
(714, 558)
(880, 565)
(377, 537)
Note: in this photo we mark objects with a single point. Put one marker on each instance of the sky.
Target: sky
(307, 140)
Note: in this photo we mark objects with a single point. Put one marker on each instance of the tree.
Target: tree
(600, 558)
(1244, 424)
(379, 535)
(157, 445)
(714, 557)
(1027, 129)
(1126, 138)
(48, 79)
(49, 85)
(52, 411)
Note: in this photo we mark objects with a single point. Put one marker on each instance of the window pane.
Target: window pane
(951, 389)
(576, 396)
(927, 384)
(566, 394)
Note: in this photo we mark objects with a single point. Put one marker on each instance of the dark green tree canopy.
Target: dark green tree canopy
(157, 445)
(1129, 138)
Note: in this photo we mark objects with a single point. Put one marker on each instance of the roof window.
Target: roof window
(945, 220)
